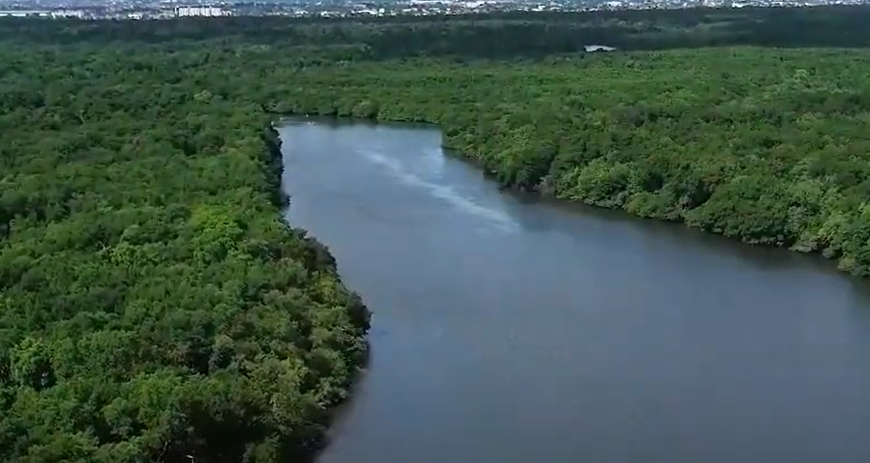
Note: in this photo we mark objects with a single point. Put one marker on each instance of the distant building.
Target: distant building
(68, 14)
(207, 11)
(22, 13)
(593, 48)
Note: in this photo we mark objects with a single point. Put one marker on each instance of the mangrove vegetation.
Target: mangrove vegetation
(153, 304)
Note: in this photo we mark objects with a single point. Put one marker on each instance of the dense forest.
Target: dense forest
(154, 305)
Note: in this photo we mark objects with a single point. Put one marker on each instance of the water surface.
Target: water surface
(507, 330)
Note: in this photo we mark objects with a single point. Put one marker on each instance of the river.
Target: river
(507, 330)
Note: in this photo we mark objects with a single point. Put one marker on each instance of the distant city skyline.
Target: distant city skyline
(166, 9)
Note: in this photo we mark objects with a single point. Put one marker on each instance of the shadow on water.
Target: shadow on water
(674, 234)
(337, 122)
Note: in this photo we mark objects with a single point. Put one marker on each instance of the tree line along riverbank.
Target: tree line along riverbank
(766, 146)
(153, 304)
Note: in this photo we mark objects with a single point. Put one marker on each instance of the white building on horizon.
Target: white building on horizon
(203, 11)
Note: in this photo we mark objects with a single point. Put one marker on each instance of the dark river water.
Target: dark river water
(507, 330)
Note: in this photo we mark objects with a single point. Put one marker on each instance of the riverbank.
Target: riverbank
(770, 155)
(355, 345)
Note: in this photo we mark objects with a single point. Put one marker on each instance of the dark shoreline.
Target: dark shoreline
(274, 167)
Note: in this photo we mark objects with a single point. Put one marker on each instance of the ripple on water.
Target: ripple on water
(445, 192)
